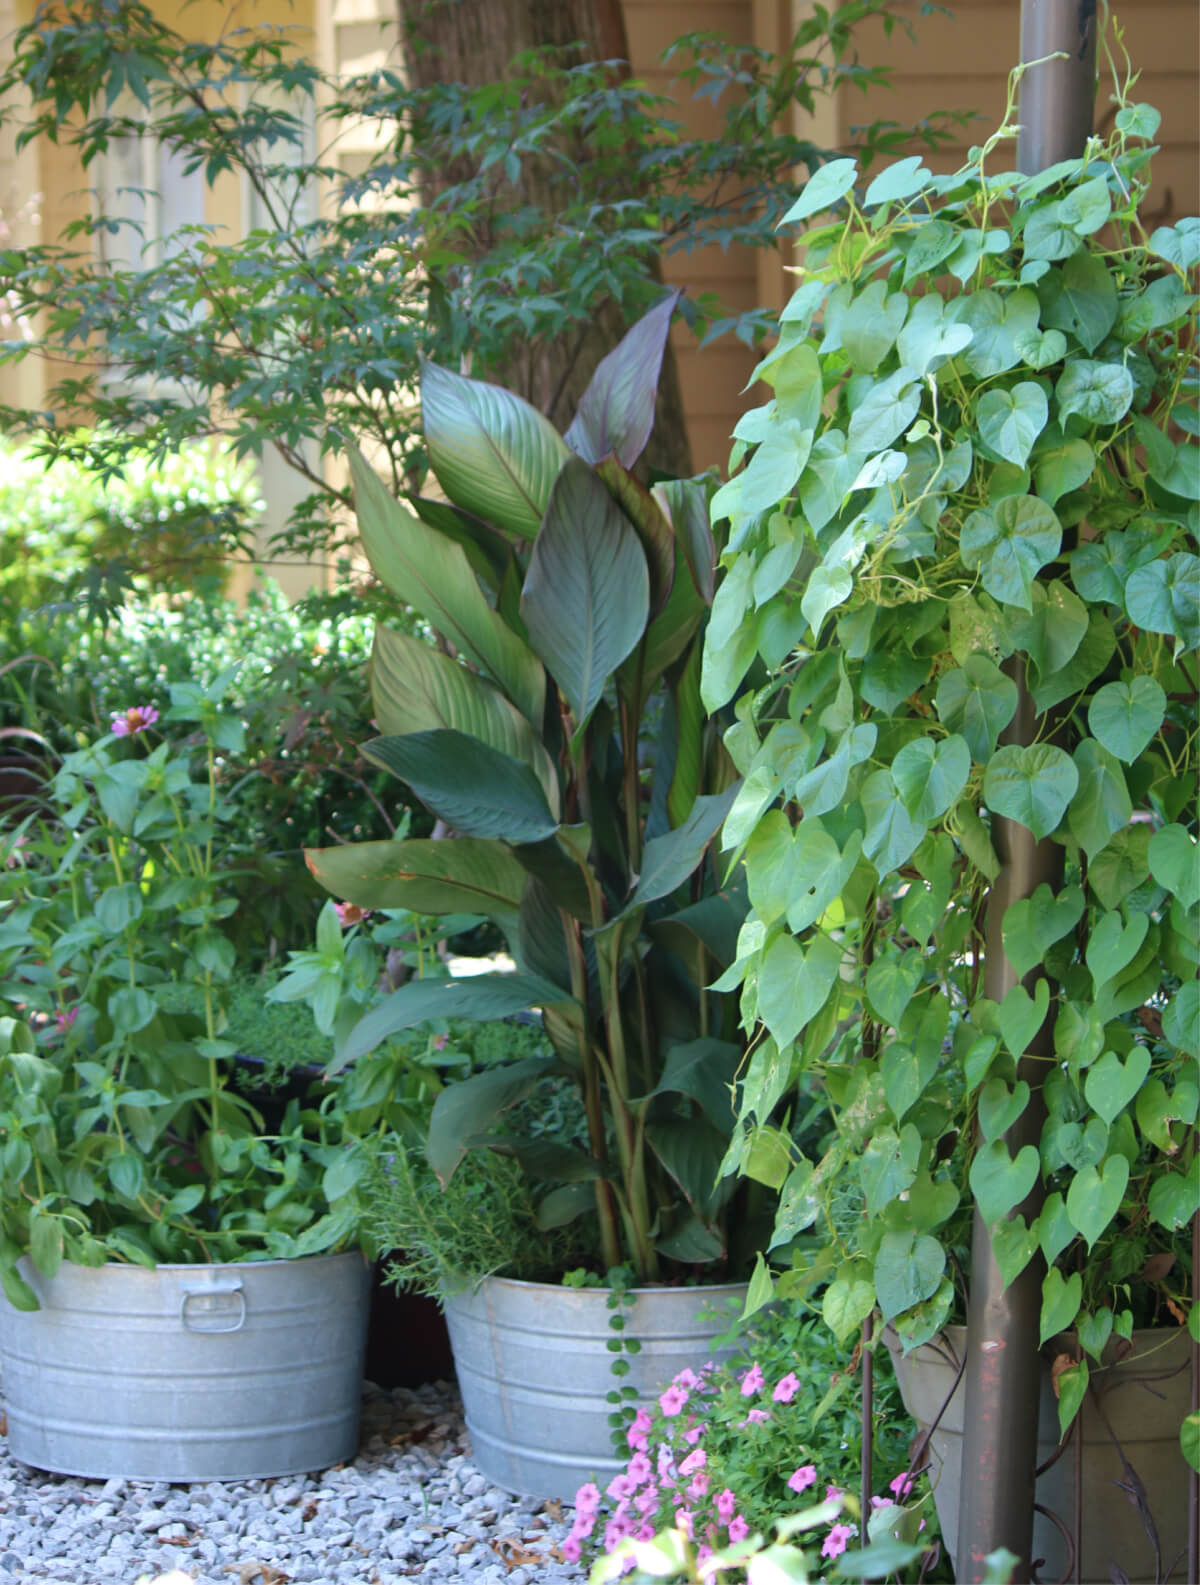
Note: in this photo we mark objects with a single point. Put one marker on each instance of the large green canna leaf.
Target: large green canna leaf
(479, 997)
(431, 573)
(652, 524)
(474, 788)
(464, 876)
(489, 553)
(466, 1111)
(670, 859)
(616, 412)
(587, 592)
(685, 502)
(493, 454)
(415, 688)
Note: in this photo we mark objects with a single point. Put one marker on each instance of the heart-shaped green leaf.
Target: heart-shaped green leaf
(930, 775)
(793, 985)
(1181, 1021)
(1072, 1385)
(1021, 1016)
(1013, 1245)
(1061, 1297)
(1010, 541)
(1101, 804)
(891, 983)
(1114, 944)
(1095, 1330)
(1033, 924)
(906, 1073)
(999, 1107)
(1054, 1229)
(1081, 1146)
(1094, 1196)
(908, 1268)
(999, 1183)
(1175, 863)
(1126, 715)
(1033, 785)
(1078, 1035)
(888, 1165)
(977, 700)
(1111, 1084)
(892, 835)
(1174, 1199)
(1010, 421)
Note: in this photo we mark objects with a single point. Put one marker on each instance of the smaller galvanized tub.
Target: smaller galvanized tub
(185, 1373)
(535, 1371)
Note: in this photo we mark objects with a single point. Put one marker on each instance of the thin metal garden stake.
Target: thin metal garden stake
(1003, 1367)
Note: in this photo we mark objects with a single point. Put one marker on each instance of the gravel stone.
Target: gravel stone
(400, 1511)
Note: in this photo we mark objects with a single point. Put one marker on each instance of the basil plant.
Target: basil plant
(973, 488)
(556, 730)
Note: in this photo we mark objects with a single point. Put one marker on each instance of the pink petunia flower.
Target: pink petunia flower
(571, 1549)
(127, 723)
(902, 1485)
(636, 1434)
(787, 1388)
(726, 1505)
(615, 1532)
(695, 1460)
(703, 1553)
(687, 1379)
(835, 1541)
(672, 1401)
(646, 1501)
(753, 1381)
(693, 1434)
(587, 1499)
(756, 1417)
(833, 1491)
(639, 1469)
(738, 1528)
(621, 1486)
(351, 914)
(802, 1478)
(698, 1486)
(683, 1522)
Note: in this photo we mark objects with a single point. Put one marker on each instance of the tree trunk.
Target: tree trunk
(473, 42)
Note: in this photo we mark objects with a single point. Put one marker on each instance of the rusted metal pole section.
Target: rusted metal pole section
(1003, 1367)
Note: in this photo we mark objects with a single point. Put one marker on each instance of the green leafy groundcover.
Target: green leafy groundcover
(976, 482)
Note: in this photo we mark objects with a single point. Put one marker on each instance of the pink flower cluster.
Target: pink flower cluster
(678, 1490)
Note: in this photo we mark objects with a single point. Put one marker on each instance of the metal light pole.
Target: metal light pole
(1003, 1369)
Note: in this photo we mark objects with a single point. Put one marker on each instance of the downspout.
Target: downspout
(1003, 1367)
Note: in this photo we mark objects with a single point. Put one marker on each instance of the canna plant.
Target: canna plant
(557, 731)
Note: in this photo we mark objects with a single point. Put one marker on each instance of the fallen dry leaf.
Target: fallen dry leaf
(311, 1509)
(512, 1554)
(418, 1433)
(463, 1546)
(553, 1506)
(255, 1573)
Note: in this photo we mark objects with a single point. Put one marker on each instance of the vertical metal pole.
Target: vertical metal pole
(1003, 1368)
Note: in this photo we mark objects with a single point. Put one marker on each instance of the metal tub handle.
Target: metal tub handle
(220, 1317)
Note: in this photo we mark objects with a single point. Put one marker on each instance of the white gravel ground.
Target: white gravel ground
(412, 1505)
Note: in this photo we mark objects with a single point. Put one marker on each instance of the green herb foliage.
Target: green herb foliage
(979, 465)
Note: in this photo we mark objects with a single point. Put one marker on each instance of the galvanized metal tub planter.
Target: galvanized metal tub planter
(1142, 1402)
(184, 1373)
(535, 1371)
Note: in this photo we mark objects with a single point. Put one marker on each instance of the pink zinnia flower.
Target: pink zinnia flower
(127, 723)
(726, 1505)
(802, 1478)
(786, 1389)
(672, 1401)
(738, 1528)
(835, 1541)
(753, 1381)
